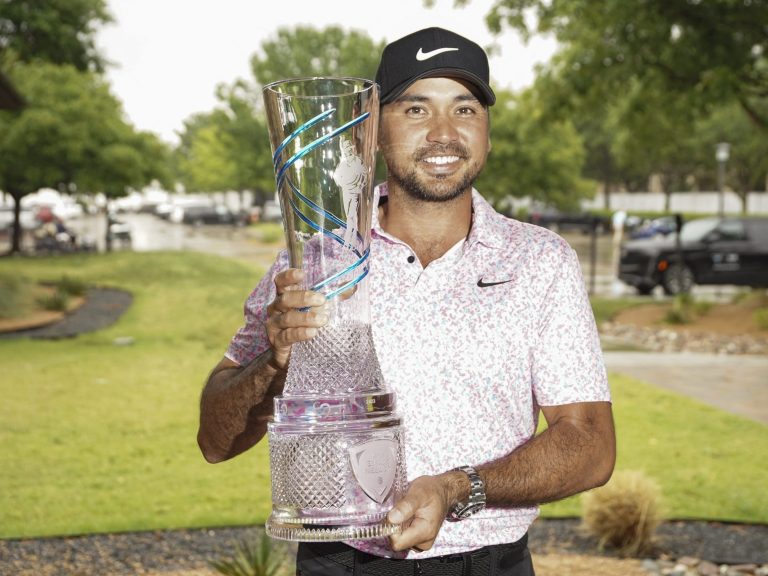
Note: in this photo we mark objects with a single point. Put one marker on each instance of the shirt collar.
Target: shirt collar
(487, 227)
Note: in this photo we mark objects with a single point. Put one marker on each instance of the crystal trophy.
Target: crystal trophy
(335, 440)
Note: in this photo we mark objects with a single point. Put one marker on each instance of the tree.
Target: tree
(304, 51)
(702, 52)
(72, 138)
(228, 148)
(747, 167)
(56, 31)
(532, 155)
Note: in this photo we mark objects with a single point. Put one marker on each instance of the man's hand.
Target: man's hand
(423, 509)
(287, 321)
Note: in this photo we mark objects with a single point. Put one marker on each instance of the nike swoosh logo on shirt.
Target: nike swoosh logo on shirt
(482, 284)
(421, 55)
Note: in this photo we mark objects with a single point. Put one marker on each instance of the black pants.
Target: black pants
(337, 559)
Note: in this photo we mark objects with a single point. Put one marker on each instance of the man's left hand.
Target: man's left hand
(421, 513)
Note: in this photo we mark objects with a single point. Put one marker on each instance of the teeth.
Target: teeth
(441, 159)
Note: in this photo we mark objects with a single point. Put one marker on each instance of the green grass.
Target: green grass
(96, 437)
(606, 308)
(710, 464)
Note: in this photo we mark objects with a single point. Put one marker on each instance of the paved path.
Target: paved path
(734, 383)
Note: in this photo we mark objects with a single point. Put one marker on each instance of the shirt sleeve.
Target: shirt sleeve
(251, 339)
(567, 360)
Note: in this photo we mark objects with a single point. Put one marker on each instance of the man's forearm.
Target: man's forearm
(235, 406)
(572, 455)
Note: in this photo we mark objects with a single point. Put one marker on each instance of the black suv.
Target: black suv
(709, 251)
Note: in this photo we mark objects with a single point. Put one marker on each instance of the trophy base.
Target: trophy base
(329, 533)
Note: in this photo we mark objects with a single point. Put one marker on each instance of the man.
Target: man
(479, 322)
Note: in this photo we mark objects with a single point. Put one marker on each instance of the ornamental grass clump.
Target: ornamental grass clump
(257, 558)
(624, 513)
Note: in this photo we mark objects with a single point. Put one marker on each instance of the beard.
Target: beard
(439, 188)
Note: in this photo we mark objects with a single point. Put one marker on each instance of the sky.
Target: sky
(168, 56)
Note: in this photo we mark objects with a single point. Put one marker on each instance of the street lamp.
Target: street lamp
(722, 153)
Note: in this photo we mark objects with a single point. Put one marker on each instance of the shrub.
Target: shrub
(624, 513)
(270, 232)
(258, 559)
(761, 318)
(685, 309)
(71, 286)
(10, 295)
(58, 301)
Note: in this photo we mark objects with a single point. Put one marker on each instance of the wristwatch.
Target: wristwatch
(476, 501)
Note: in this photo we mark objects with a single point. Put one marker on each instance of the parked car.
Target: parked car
(271, 212)
(216, 214)
(656, 227)
(710, 251)
(559, 222)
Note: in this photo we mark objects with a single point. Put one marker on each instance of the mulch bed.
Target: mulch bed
(102, 307)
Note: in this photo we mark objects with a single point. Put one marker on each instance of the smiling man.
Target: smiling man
(481, 323)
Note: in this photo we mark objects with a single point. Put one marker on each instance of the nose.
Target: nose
(442, 129)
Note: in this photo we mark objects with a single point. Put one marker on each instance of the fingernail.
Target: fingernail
(395, 517)
(311, 332)
(321, 318)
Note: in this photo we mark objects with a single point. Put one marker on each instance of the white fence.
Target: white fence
(691, 202)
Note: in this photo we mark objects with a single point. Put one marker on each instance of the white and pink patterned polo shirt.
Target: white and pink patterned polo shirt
(472, 345)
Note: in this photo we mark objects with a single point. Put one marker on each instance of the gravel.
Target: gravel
(189, 551)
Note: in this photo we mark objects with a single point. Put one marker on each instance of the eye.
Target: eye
(466, 111)
(415, 110)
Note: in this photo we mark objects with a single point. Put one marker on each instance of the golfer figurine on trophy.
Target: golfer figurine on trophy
(336, 442)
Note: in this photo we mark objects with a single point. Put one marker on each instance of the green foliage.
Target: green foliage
(228, 148)
(270, 232)
(251, 559)
(533, 155)
(71, 286)
(72, 138)
(761, 318)
(664, 48)
(55, 31)
(304, 51)
(58, 301)
(605, 309)
(685, 309)
(10, 295)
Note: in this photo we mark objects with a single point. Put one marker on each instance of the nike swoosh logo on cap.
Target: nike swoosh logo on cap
(421, 55)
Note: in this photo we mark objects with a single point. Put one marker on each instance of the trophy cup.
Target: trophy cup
(336, 444)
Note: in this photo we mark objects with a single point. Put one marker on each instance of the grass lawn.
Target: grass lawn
(96, 437)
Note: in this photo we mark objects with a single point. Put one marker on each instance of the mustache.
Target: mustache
(453, 149)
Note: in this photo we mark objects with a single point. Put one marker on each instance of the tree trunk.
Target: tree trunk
(16, 232)
(108, 237)
(607, 194)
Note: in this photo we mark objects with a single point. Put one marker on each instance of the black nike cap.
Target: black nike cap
(429, 53)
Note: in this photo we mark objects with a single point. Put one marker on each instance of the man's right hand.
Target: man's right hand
(287, 322)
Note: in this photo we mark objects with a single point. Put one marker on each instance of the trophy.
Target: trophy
(335, 441)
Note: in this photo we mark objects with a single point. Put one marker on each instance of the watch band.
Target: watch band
(476, 500)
